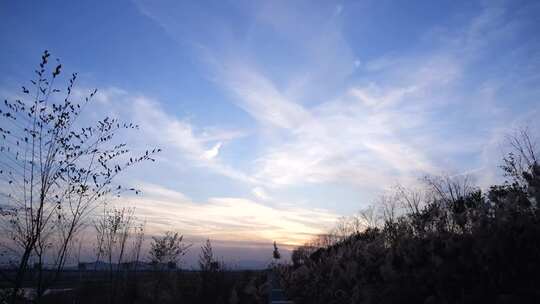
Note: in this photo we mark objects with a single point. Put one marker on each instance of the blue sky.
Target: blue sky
(277, 117)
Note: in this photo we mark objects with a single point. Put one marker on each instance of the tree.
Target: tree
(114, 229)
(138, 240)
(368, 215)
(275, 254)
(165, 253)
(522, 158)
(207, 262)
(167, 250)
(54, 171)
(301, 254)
(211, 275)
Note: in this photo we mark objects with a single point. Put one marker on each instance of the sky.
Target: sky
(277, 117)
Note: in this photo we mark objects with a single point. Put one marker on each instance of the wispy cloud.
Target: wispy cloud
(388, 130)
(338, 140)
(258, 96)
(183, 143)
(228, 218)
(213, 152)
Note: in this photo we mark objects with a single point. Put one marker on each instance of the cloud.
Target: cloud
(176, 133)
(259, 97)
(260, 193)
(388, 130)
(327, 114)
(161, 193)
(213, 152)
(338, 140)
(374, 96)
(227, 218)
(183, 143)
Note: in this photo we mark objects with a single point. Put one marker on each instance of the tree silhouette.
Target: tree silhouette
(211, 275)
(207, 260)
(54, 171)
(275, 254)
(167, 250)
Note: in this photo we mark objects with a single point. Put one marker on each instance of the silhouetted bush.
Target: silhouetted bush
(471, 248)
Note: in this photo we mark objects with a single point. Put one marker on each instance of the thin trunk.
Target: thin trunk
(21, 271)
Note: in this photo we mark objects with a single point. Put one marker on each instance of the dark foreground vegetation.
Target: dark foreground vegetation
(173, 286)
(453, 244)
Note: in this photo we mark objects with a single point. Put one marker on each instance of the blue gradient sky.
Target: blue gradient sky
(277, 117)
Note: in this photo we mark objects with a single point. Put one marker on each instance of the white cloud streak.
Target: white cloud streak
(377, 134)
(227, 218)
(182, 142)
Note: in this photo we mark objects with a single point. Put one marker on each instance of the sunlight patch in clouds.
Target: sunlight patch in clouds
(228, 218)
(260, 193)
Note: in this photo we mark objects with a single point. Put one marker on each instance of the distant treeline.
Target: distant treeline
(448, 242)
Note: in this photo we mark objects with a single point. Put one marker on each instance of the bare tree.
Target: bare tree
(100, 226)
(522, 157)
(449, 189)
(368, 216)
(323, 240)
(341, 228)
(114, 229)
(53, 171)
(138, 239)
(348, 225)
(412, 199)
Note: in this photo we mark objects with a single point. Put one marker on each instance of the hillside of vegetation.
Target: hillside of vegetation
(454, 244)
